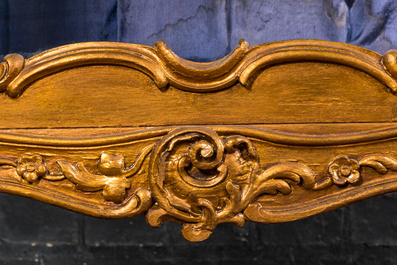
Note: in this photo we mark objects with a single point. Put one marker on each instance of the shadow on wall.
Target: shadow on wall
(37, 233)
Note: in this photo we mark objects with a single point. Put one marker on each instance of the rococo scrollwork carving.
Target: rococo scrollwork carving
(201, 180)
(314, 147)
(112, 181)
(196, 178)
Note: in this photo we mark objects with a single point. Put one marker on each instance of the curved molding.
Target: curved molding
(266, 55)
(253, 132)
(198, 176)
(202, 77)
(202, 176)
(134, 206)
(10, 68)
(133, 56)
(164, 67)
(201, 70)
(256, 212)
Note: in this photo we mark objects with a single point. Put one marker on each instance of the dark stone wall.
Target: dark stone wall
(203, 30)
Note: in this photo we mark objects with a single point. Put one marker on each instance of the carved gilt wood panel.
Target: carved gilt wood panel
(271, 133)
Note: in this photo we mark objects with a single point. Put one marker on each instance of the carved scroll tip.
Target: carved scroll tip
(161, 45)
(390, 65)
(389, 62)
(243, 45)
(194, 235)
(10, 68)
(145, 201)
(3, 70)
(162, 48)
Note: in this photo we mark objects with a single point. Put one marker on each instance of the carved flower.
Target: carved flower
(344, 170)
(31, 167)
(111, 165)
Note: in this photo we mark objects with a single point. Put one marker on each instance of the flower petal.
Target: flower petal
(354, 177)
(21, 168)
(342, 160)
(33, 159)
(111, 165)
(354, 164)
(41, 170)
(30, 176)
(338, 180)
(37, 159)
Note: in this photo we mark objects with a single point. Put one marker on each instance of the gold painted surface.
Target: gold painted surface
(270, 133)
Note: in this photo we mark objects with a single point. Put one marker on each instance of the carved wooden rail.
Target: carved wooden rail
(271, 133)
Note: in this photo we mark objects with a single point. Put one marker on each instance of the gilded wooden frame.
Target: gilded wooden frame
(271, 133)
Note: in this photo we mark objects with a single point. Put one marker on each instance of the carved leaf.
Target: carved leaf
(379, 162)
(81, 177)
(113, 187)
(292, 171)
(7, 162)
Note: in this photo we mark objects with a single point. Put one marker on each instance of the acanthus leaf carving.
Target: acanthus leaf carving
(113, 180)
(114, 188)
(381, 163)
(199, 179)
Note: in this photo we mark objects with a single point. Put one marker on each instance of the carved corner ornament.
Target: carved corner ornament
(200, 175)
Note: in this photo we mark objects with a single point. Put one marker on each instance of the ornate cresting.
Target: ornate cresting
(165, 67)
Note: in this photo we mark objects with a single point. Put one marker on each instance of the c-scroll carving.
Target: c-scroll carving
(10, 68)
(200, 180)
(201, 177)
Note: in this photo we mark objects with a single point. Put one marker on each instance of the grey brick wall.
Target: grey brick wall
(202, 30)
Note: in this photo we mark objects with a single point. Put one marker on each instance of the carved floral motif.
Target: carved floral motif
(111, 165)
(196, 178)
(114, 179)
(113, 182)
(199, 179)
(31, 168)
(344, 170)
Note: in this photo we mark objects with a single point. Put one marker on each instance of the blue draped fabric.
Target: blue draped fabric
(202, 30)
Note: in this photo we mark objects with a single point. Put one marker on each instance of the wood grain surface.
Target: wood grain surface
(270, 133)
